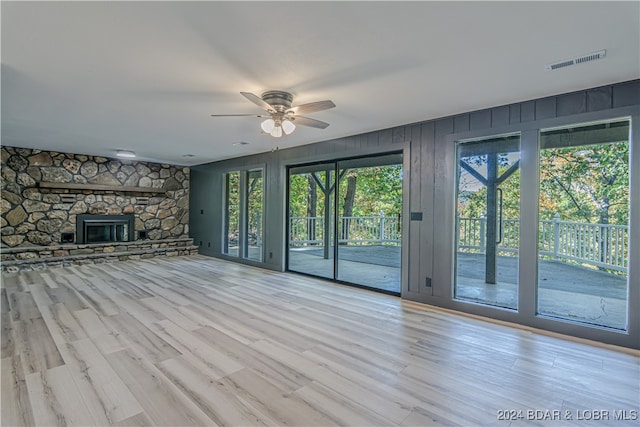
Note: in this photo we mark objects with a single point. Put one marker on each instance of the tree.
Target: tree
(586, 183)
(349, 199)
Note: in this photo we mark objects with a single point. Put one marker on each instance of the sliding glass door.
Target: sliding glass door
(370, 222)
(569, 261)
(345, 221)
(584, 234)
(487, 221)
(311, 220)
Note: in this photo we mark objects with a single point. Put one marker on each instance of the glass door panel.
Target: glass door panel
(254, 214)
(583, 239)
(370, 222)
(231, 239)
(487, 221)
(311, 220)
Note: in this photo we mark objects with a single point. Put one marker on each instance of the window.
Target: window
(243, 214)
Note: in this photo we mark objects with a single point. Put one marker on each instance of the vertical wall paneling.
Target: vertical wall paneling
(571, 103)
(426, 195)
(545, 108)
(528, 111)
(414, 174)
(500, 116)
(480, 120)
(514, 114)
(461, 123)
(599, 98)
(444, 171)
(626, 94)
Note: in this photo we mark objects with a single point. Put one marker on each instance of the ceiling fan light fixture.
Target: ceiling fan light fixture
(276, 132)
(288, 127)
(277, 104)
(268, 125)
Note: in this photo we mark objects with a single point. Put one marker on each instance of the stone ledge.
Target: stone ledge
(6, 250)
(59, 251)
(95, 258)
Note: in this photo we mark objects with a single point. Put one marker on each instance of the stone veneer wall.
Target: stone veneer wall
(38, 216)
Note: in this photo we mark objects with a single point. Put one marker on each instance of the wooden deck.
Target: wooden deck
(566, 290)
(200, 341)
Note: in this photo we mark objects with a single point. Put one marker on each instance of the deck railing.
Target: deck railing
(600, 245)
(380, 229)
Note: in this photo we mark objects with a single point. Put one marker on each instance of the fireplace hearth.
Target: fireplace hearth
(104, 228)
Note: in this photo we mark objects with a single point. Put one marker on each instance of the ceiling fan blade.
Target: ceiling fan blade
(238, 115)
(306, 121)
(312, 107)
(258, 101)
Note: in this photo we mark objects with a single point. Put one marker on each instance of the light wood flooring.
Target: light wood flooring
(199, 341)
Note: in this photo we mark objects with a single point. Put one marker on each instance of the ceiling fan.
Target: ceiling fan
(282, 117)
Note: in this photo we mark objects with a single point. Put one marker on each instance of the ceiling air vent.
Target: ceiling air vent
(579, 60)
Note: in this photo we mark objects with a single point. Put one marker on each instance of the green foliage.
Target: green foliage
(588, 183)
(582, 183)
(378, 189)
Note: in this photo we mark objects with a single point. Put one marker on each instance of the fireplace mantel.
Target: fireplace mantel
(99, 187)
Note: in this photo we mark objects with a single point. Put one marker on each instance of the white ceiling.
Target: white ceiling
(93, 77)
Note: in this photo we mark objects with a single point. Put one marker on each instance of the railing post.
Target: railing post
(556, 234)
(381, 227)
(483, 224)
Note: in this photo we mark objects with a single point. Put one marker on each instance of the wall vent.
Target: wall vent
(579, 60)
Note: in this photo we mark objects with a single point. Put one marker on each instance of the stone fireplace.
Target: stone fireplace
(45, 193)
(105, 228)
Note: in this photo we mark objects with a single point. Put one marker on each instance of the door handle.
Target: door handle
(500, 218)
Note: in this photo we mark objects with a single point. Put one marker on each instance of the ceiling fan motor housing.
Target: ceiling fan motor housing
(278, 99)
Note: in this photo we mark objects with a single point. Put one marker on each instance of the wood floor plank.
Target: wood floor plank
(189, 343)
(139, 420)
(370, 398)
(16, 405)
(64, 294)
(220, 405)
(56, 399)
(36, 346)
(163, 403)
(143, 339)
(200, 341)
(278, 373)
(96, 299)
(22, 306)
(170, 313)
(48, 280)
(341, 410)
(117, 399)
(102, 336)
(273, 403)
(5, 325)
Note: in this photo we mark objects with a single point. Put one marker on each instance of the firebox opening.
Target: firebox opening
(104, 228)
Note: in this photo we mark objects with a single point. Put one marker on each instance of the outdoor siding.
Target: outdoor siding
(430, 167)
